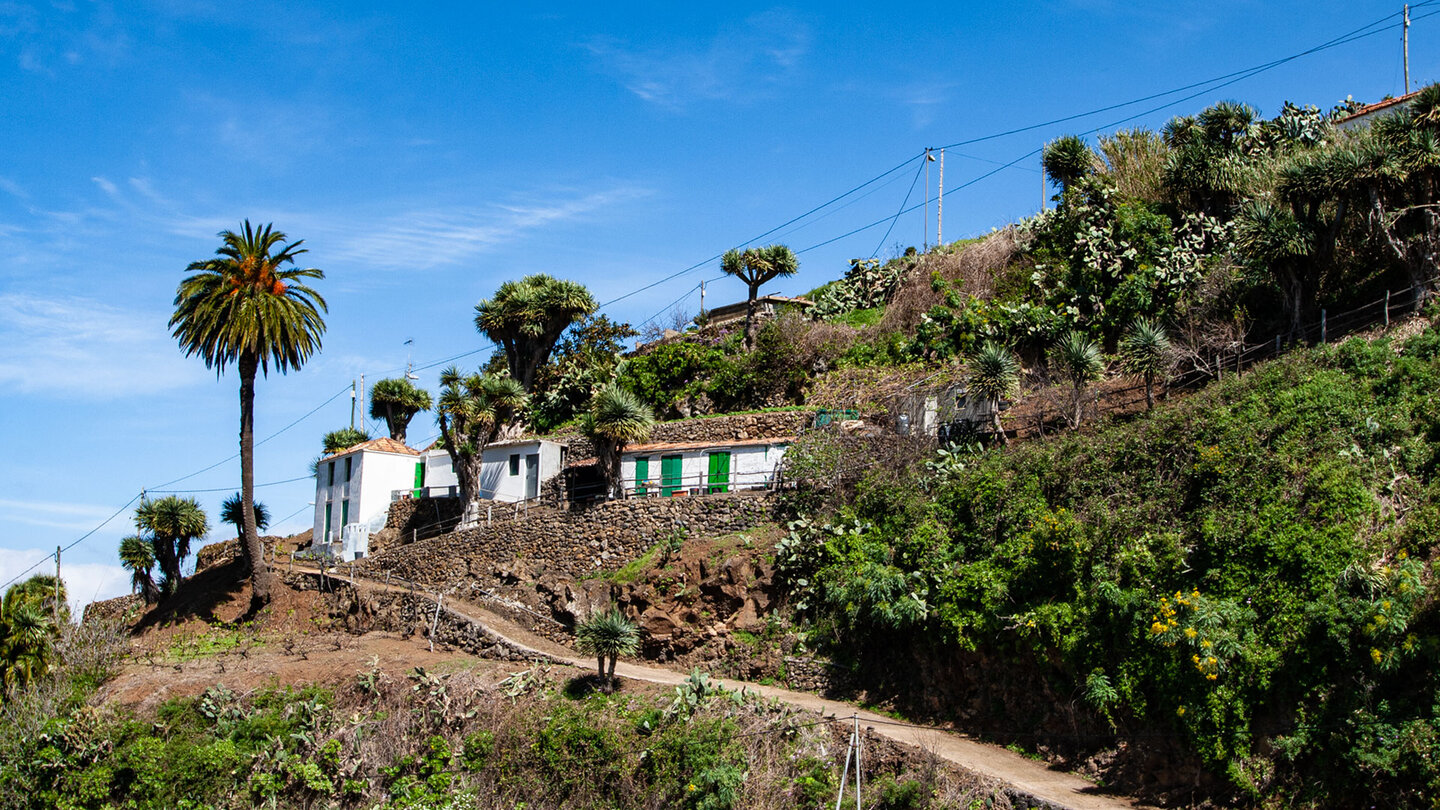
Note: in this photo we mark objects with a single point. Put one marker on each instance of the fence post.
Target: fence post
(1322, 326)
(1219, 368)
(1387, 309)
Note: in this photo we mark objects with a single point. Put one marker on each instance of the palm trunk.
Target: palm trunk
(467, 475)
(611, 673)
(750, 317)
(600, 666)
(261, 581)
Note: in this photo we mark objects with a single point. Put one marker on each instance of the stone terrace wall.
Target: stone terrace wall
(711, 429)
(572, 543)
(114, 609)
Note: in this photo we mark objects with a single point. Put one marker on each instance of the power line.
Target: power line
(903, 202)
(77, 542)
(229, 489)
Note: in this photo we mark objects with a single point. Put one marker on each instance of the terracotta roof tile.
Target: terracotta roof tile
(384, 444)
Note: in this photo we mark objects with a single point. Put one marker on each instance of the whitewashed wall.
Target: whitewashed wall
(750, 466)
(374, 476)
(496, 483)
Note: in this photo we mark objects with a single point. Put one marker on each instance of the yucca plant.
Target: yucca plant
(1077, 360)
(472, 413)
(607, 635)
(138, 557)
(993, 374)
(1146, 352)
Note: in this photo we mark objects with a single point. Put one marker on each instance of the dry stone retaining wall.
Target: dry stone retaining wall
(574, 543)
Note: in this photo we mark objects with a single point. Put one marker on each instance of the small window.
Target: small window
(514, 463)
(331, 481)
(348, 461)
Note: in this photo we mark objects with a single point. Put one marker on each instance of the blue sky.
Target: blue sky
(427, 155)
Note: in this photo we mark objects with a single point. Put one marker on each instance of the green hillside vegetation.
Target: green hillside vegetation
(1246, 575)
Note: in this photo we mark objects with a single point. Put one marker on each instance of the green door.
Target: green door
(719, 472)
(419, 479)
(671, 479)
(642, 474)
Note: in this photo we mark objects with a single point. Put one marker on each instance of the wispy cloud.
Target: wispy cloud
(55, 514)
(84, 347)
(441, 236)
(56, 35)
(738, 63)
(84, 582)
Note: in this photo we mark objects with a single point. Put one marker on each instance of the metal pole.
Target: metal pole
(925, 238)
(859, 744)
(1405, 37)
(436, 621)
(940, 204)
(1387, 306)
(845, 774)
(1322, 326)
(57, 585)
(352, 404)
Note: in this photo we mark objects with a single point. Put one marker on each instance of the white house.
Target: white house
(509, 471)
(353, 491)
(695, 468)
(354, 488)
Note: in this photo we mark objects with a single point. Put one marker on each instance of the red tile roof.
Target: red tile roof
(384, 444)
(1378, 106)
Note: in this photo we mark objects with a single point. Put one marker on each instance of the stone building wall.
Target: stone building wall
(576, 543)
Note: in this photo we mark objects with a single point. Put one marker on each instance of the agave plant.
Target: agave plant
(607, 636)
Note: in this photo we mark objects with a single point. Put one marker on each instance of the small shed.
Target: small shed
(510, 471)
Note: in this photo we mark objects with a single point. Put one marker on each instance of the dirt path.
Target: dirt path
(1062, 790)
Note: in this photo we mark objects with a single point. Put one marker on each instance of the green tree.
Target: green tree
(472, 412)
(230, 513)
(397, 400)
(342, 439)
(1067, 159)
(1146, 352)
(585, 359)
(28, 629)
(246, 306)
(137, 556)
(616, 418)
(1077, 360)
(525, 318)
(171, 524)
(607, 636)
(756, 266)
(993, 374)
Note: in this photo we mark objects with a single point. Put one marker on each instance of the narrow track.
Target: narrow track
(1028, 777)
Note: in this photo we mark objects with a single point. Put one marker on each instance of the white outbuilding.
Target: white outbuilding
(697, 468)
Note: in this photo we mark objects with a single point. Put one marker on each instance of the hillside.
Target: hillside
(1230, 598)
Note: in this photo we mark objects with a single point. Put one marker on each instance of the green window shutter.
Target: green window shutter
(671, 479)
(642, 473)
(329, 511)
(719, 472)
(419, 478)
(344, 513)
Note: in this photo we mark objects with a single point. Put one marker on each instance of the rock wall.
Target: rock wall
(710, 429)
(229, 550)
(575, 543)
(410, 519)
(817, 675)
(116, 609)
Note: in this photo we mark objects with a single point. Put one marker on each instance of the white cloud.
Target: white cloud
(439, 236)
(84, 582)
(736, 64)
(56, 514)
(71, 345)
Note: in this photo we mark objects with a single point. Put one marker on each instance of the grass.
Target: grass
(634, 571)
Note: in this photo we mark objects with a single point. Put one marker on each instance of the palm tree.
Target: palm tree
(230, 513)
(607, 635)
(992, 375)
(756, 266)
(1078, 360)
(246, 307)
(1274, 242)
(1068, 159)
(172, 523)
(397, 401)
(616, 418)
(472, 412)
(29, 622)
(1145, 352)
(138, 557)
(527, 317)
(342, 439)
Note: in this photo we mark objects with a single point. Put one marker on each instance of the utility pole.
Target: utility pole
(352, 404)
(925, 237)
(1043, 187)
(940, 203)
(57, 586)
(362, 401)
(702, 302)
(1405, 37)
